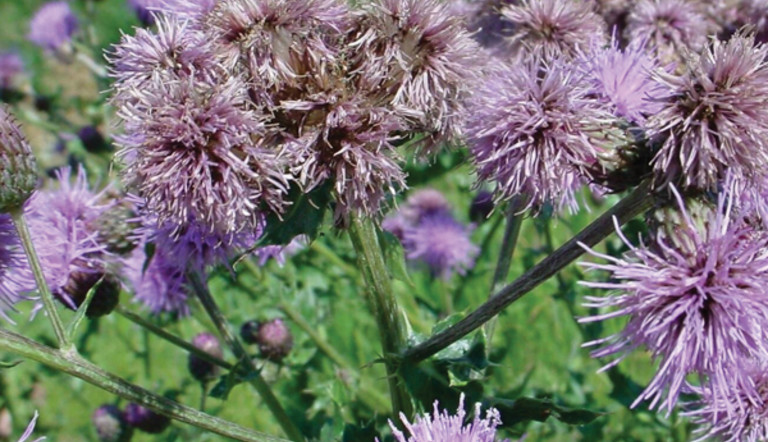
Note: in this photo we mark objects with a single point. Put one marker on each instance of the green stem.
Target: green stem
(49, 304)
(74, 365)
(508, 245)
(383, 305)
(173, 339)
(633, 204)
(201, 290)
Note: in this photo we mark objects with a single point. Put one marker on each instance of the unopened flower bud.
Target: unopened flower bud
(106, 298)
(481, 206)
(249, 331)
(110, 424)
(93, 141)
(274, 339)
(18, 168)
(145, 419)
(201, 369)
(116, 229)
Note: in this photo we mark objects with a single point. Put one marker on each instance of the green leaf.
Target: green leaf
(4, 365)
(394, 257)
(304, 217)
(523, 409)
(232, 379)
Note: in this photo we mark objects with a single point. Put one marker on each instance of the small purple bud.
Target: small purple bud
(145, 419)
(18, 168)
(93, 141)
(75, 290)
(201, 369)
(110, 424)
(249, 331)
(274, 339)
(481, 207)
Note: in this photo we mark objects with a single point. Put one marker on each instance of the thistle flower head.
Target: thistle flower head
(669, 27)
(442, 243)
(441, 426)
(201, 369)
(144, 419)
(145, 9)
(529, 131)
(110, 425)
(160, 284)
(742, 414)
(53, 26)
(11, 66)
(694, 298)
(18, 168)
(716, 119)
(545, 27)
(421, 59)
(274, 339)
(423, 203)
(623, 80)
(195, 157)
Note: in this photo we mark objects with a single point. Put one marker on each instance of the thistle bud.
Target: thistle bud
(249, 331)
(74, 292)
(116, 229)
(145, 419)
(18, 168)
(201, 369)
(110, 424)
(274, 339)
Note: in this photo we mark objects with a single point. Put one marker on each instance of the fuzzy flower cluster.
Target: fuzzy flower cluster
(442, 426)
(52, 26)
(227, 106)
(429, 233)
(695, 298)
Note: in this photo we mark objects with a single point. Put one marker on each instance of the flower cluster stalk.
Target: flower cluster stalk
(639, 200)
(383, 305)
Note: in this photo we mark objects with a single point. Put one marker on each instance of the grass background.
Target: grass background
(536, 351)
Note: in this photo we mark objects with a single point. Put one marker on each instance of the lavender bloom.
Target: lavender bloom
(53, 26)
(161, 287)
(30, 428)
(195, 158)
(189, 9)
(554, 26)
(423, 203)
(742, 415)
(15, 275)
(442, 243)
(694, 298)
(422, 59)
(716, 119)
(442, 426)
(279, 253)
(60, 223)
(752, 13)
(11, 67)
(669, 26)
(623, 80)
(529, 130)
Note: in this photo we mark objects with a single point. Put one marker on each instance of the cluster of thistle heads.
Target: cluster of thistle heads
(229, 109)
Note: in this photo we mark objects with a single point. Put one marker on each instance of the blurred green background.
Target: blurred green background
(536, 352)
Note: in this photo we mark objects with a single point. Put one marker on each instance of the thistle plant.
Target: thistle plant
(308, 169)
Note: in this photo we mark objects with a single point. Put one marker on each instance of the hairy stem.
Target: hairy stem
(73, 364)
(48, 302)
(633, 204)
(381, 301)
(264, 390)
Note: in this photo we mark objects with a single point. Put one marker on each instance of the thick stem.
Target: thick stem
(381, 301)
(508, 243)
(633, 204)
(74, 365)
(37, 270)
(173, 339)
(269, 398)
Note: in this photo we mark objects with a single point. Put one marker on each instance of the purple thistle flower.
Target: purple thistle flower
(189, 9)
(716, 119)
(623, 79)
(694, 298)
(61, 225)
(742, 414)
(161, 287)
(194, 157)
(11, 66)
(669, 27)
(441, 426)
(144, 10)
(423, 203)
(529, 130)
(53, 26)
(15, 275)
(485, 22)
(176, 49)
(422, 59)
(544, 27)
(442, 243)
